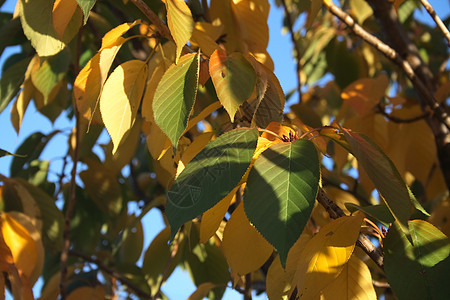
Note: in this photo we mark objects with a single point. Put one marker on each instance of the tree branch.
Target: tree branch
(363, 242)
(394, 119)
(297, 50)
(437, 20)
(136, 290)
(148, 12)
(248, 287)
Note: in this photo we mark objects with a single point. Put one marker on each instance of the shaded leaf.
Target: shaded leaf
(202, 291)
(205, 36)
(11, 81)
(63, 11)
(121, 98)
(181, 23)
(210, 176)
(175, 96)
(86, 6)
(380, 212)
(281, 191)
(361, 10)
(234, 79)
(86, 292)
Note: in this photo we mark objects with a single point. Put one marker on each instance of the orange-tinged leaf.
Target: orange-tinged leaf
(326, 254)
(181, 23)
(25, 243)
(202, 291)
(234, 79)
(365, 93)
(21, 104)
(212, 218)
(278, 129)
(121, 97)
(354, 282)
(63, 11)
(87, 292)
(205, 36)
(244, 248)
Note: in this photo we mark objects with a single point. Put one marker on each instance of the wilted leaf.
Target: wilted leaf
(234, 79)
(244, 248)
(121, 98)
(281, 191)
(175, 96)
(181, 23)
(210, 176)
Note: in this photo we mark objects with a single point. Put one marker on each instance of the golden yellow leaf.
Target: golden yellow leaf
(354, 282)
(365, 93)
(193, 149)
(326, 254)
(114, 36)
(205, 36)
(51, 288)
(181, 23)
(244, 248)
(203, 114)
(212, 218)
(25, 243)
(21, 104)
(202, 291)
(63, 11)
(87, 292)
(121, 97)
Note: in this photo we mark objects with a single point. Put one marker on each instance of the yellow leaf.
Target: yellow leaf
(63, 11)
(365, 93)
(25, 243)
(354, 282)
(205, 36)
(87, 292)
(244, 248)
(51, 288)
(326, 254)
(212, 218)
(21, 104)
(121, 97)
(202, 291)
(114, 36)
(193, 149)
(202, 115)
(181, 23)
(440, 217)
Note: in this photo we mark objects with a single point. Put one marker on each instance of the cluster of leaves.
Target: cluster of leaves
(196, 114)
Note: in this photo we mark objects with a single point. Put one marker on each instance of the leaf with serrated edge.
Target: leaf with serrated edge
(244, 248)
(234, 79)
(281, 191)
(210, 176)
(121, 98)
(326, 254)
(181, 23)
(175, 96)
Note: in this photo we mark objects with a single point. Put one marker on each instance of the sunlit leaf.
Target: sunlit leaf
(175, 96)
(181, 23)
(11, 80)
(21, 104)
(205, 36)
(193, 149)
(234, 79)
(63, 12)
(418, 270)
(121, 97)
(326, 255)
(361, 10)
(281, 191)
(210, 176)
(244, 248)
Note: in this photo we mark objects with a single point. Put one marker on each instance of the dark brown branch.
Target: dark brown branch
(298, 55)
(136, 290)
(363, 242)
(400, 120)
(148, 12)
(437, 20)
(72, 193)
(248, 287)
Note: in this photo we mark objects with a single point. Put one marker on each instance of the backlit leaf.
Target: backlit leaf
(11, 80)
(244, 248)
(205, 36)
(326, 254)
(361, 10)
(181, 23)
(21, 104)
(210, 176)
(175, 96)
(86, 6)
(418, 270)
(234, 79)
(281, 191)
(354, 282)
(63, 11)
(121, 97)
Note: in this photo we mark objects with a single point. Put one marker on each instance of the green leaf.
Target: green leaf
(210, 176)
(419, 270)
(51, 72)
(384, 175)
(234, 79)
(11, 81)
(86, 6)
(6, 153)
(37, 24)
(175, 97)
(180, 22)
(281, 191)
(380, 212)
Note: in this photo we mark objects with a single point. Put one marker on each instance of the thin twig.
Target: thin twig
(381, 284)
(393, 55)
(72, 194)
(148, 12)
(436, 19)
(248, 287)
(136, 290)
(363, 242)
(298, 55)
(400, 120)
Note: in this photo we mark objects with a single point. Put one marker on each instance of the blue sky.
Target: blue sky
(179, 285)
